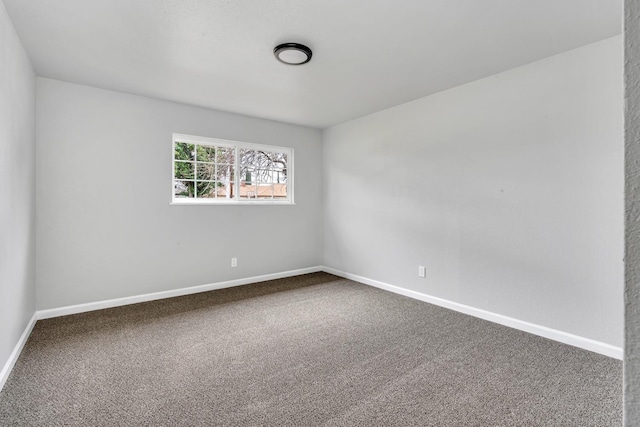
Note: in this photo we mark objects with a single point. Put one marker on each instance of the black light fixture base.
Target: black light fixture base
(278, 50)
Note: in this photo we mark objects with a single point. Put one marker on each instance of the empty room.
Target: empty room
(319, 213)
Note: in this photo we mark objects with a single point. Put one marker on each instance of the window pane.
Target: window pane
(246, 154)
(279, 191)
(183, 170)
(225, 155)
(245, 162)
(206, 171)
(262, 159)
(247, 177)
(263, 175)
(183, 189)
(206, 190)
(184, 151)
(224, 173)
(248, 191)
(265, 191)
(206, 153)
(224, 190)
(279, 177)
(279, 161)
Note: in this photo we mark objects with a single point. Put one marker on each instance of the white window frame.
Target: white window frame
(237, 145)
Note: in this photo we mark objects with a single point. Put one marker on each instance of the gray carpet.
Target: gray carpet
(304, 351)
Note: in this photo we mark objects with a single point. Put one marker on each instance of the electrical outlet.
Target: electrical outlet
(422, 271)
(234, 262)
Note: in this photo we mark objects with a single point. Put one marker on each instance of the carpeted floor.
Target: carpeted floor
(304, 351)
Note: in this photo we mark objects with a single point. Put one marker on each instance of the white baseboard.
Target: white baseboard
(99, 305)
(13, 357)
(543, 331)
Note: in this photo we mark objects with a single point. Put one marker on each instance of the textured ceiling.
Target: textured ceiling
(367, 54)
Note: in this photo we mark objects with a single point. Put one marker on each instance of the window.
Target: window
(212, 171)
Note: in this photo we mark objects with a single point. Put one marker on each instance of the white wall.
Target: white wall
(509, 189)
(17, 188)
(105, 228)
(632, 210)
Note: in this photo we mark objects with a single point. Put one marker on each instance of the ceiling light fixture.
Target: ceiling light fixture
(292, 53)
